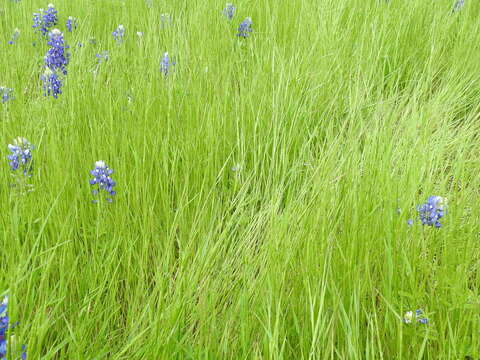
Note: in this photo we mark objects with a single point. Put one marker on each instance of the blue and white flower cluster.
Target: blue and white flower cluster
(118, 34)
(21, 156)
(432, 211)
(4, 327)
(45, 19)
(418, 317)
(56, 61)
(102, 181)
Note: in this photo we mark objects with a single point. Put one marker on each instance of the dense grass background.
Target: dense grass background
(338, 112)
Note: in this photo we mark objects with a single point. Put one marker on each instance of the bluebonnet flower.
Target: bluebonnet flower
(229, 11)
(119, 33)
(245, 28)
(432, 211)
(102, 180)
(166, 63)
(409, 317)
(71, 23)
(52, 84)
(102, 57)
(4, 326)
(16, 34)
(458, 5)
(21, 156)
(57, 57)
(45, 19)
(6, 94)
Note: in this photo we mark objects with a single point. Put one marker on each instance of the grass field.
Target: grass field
(263, 186)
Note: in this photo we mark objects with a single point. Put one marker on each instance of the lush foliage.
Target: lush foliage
(264, 177)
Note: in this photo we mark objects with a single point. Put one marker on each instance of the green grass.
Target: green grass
(338, 113)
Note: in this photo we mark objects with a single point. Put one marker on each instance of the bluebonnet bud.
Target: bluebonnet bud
(6, 94)
(16, 34)
(458, 5)
(71, 23)
(245, 28)
(166, 63)
(57, 57)
(229, 11)
(21, 156)
(409, 317)
(45, 19)
(52, 84)
(119, 33)
(432, 211)
(102, 180)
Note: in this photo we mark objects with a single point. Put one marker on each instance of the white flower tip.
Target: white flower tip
(56, 32)
(100, 164)
(51, 5)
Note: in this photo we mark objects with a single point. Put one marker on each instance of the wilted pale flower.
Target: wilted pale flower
(71, 23)
(165, 64)
(102, 180)
(16, 34)
(140, 34)
(245, 28)
(6, 94)
(57, 56)
(229, 11)
(409, 317)
(21, 156)
(165, 19)
(458, 5)
(45, 19)
(119, 33)
(52, 84)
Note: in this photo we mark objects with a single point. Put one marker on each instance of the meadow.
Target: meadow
(268, 187)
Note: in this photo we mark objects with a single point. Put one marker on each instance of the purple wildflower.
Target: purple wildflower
(102, 57)
(21, 156)
(102, 180)
(71, 23)
(432, 211)
(57, 57)
(245, 28)
(119, 33)
(229, 11)
(4, 327)
(6, 94)
(45, 19)
(166, 63)
(51, 83)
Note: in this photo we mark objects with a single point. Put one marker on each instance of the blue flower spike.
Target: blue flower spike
(21, 156)
(102, 181)
(45, 19)
(229, 11)
(245, 28)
